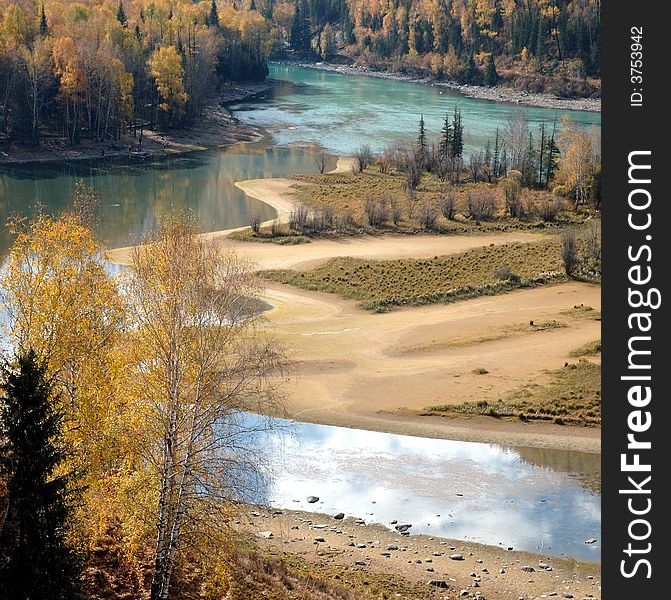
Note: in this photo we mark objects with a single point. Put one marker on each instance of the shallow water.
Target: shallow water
(462, 490)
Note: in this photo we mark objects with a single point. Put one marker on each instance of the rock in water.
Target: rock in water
(313, 499)
(402, 527)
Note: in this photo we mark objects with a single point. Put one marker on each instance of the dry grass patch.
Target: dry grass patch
(572, 396)
(347, 194)
(589, 349)
(382, 285)
(580, 311)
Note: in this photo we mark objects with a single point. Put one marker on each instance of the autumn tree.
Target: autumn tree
(60, 301)
(35, 559)
(166, 69)
(198, 359)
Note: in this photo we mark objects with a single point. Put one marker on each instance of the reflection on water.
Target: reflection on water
(341, 112)
(478, 492)
(134, 194)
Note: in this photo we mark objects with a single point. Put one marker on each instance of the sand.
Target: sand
(497, 570)
(380, 371)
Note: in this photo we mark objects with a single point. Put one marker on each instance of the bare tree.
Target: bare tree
(321, 162)
(364, 157)
(198, 360)
(298, 219)
(255, 222)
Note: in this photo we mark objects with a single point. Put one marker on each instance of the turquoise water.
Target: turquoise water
(341, 112)
(307, 108)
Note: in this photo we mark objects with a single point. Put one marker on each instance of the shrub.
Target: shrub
(511, 191)
(427, 217)
(549, 209)
(376, 211)
(298, 219)
(569, 251)
(447, 203)
(481, 205)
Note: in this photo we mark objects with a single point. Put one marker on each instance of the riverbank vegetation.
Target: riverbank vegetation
(521, 179)
(383, 285)
(141, 380)
(571, 396)
(74, 71)
(550, 46)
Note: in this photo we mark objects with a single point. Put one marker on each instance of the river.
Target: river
(482, 492)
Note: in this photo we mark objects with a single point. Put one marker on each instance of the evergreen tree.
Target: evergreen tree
(496, 157)
(541, 151)
(300, 37)
(44, 28)
(35, 561)
(213, 16)
(491, 76)
(472, 74)
(121, 15)
(421, 138)
(457, 134)
(552, 154)
(446, 138)
(503, 165)
(138, 33)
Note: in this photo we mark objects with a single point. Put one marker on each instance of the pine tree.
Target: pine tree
(457, 134)
(491, 75)
(35, 561)
(121, 15)
(138, 33)
(472, 74)
(300, 37)
(446, 138)
(213, 15)
(552, 154)
(44, 28)
(496, 156)
(421, 138)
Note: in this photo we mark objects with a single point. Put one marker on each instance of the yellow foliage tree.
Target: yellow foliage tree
(166, 68)
(61, 302)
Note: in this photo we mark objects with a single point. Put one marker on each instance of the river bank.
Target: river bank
(217, 127)
(352, 551)
(496, 93)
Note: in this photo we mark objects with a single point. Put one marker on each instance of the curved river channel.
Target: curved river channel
(537, 500)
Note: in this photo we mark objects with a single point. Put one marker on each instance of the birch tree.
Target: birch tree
(199, 359)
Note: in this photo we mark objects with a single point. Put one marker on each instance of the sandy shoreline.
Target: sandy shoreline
(497, 93)
(218, 128)
(406, 360)
(494, 571)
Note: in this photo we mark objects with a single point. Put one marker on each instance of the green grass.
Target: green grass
(573, 396)
(589, 349)
(383, 285)
(266, 237)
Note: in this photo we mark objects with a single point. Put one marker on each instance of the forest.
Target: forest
(94, 69)
(97, 69)
(541, 45)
